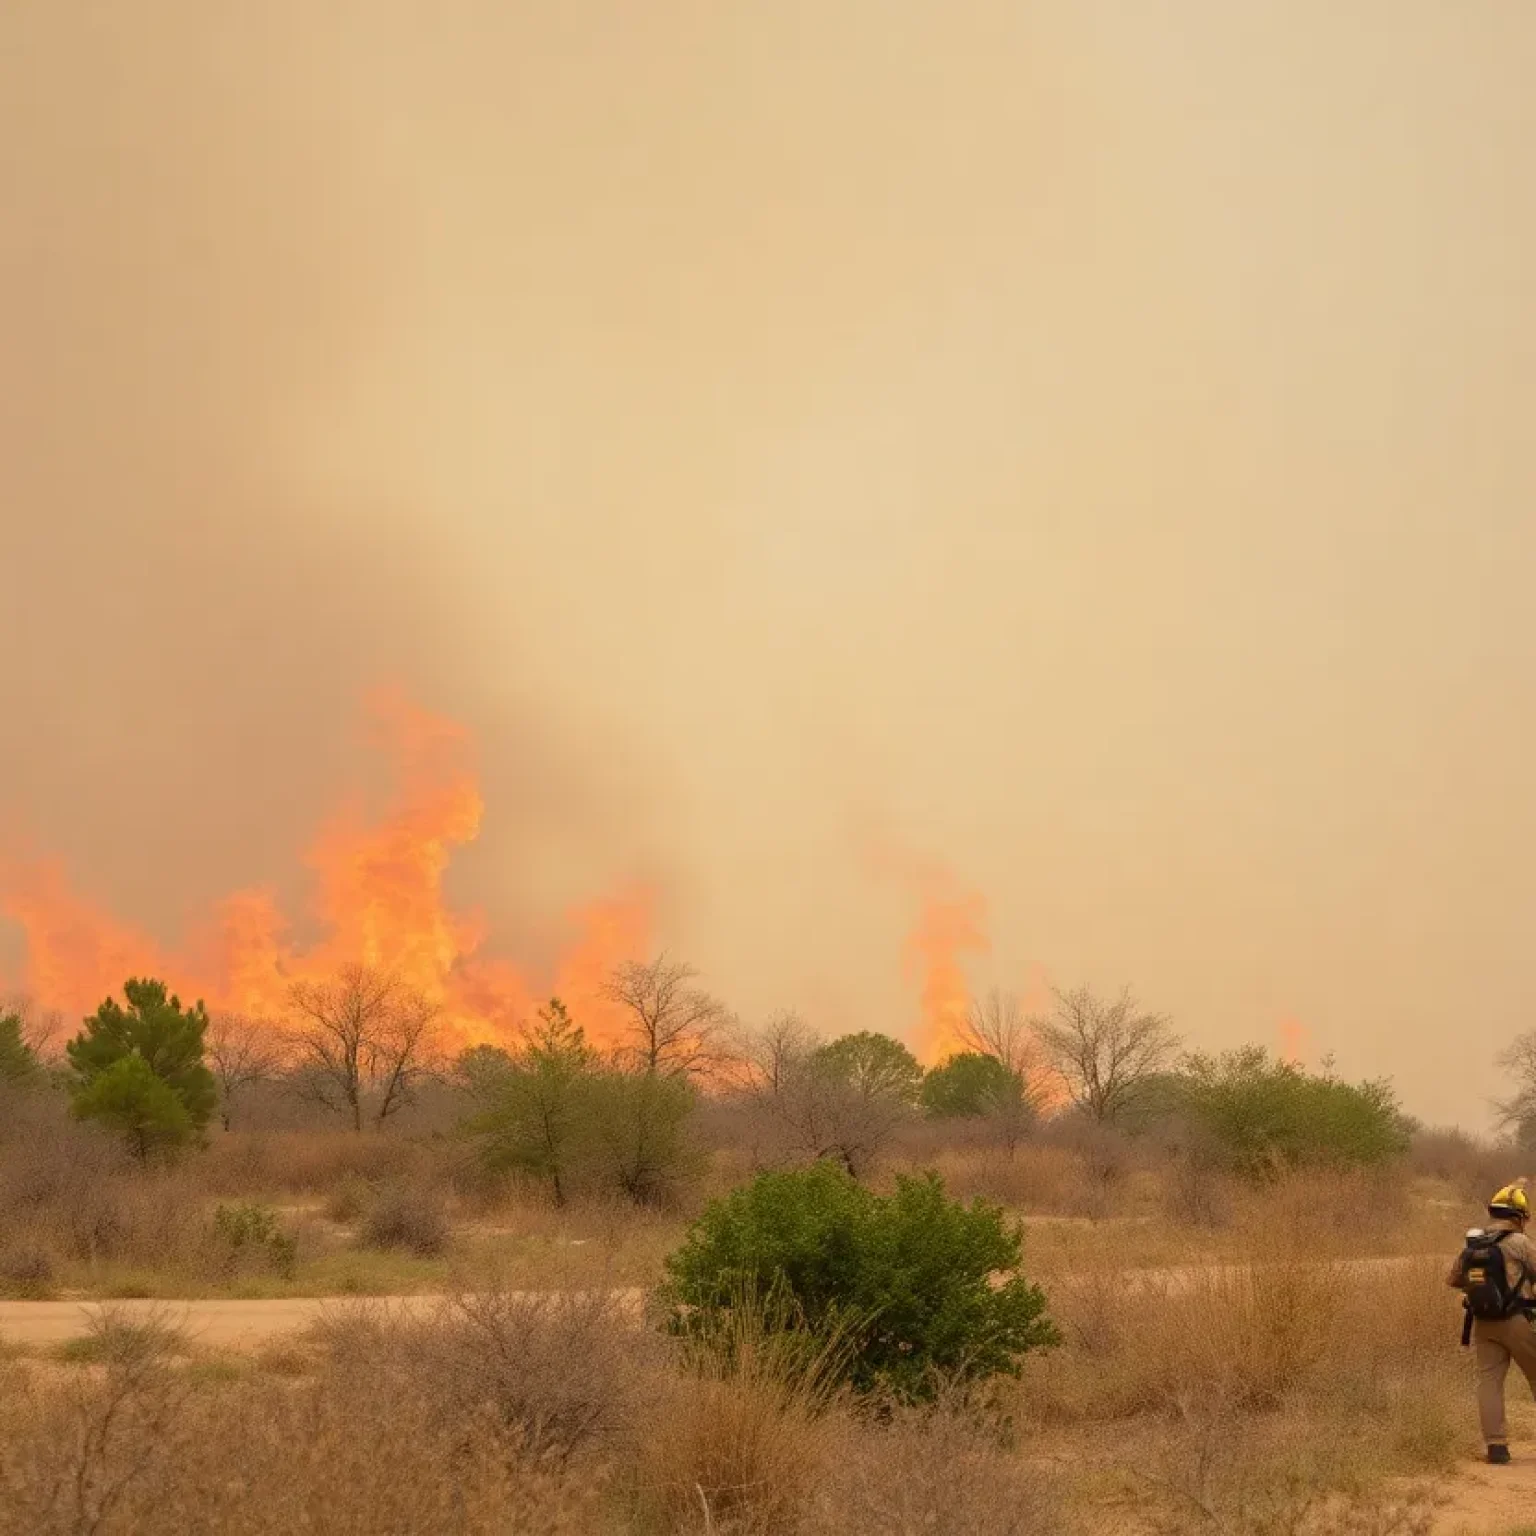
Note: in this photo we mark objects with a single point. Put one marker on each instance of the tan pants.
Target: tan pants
(1494, 1346)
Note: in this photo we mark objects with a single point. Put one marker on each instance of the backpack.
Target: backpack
(1483, 1277)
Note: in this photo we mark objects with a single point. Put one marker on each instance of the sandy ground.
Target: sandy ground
(217, 1324)
(223, 1323)
(1490, 1501)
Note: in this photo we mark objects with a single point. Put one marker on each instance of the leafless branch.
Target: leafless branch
(241, 1052)
(816, 1109)
(772, 1054)
(674, 1026)
(42, 1029)
(1517, 1060)
(364, 1041)
(997, 1026)
(1106, 1052)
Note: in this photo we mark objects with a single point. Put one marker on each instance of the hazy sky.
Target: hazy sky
(1090, 443)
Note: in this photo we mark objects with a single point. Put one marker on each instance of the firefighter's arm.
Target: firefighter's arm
(1453, 1276)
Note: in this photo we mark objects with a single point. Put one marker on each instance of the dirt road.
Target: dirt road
(233, 1324)
(214, 1324)
(221, 1324)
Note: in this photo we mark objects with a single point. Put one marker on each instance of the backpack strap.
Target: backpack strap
(1524, 1305)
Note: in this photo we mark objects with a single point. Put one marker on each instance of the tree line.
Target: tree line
(553, 1106)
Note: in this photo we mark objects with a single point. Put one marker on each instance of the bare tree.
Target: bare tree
(1517, 1113)
(674, 1026)
(827, 1099)
(1107, 1053)
(241, 1052)
(41, 1030)
(997, 1026)
(772, 1054)
(364, 1041)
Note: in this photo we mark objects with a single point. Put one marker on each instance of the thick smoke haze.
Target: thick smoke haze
(1078, 450)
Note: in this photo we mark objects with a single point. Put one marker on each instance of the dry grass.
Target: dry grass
(745, 1445)
(1282, 1403)
(410, 1218)
(1279, 1477)
(945, 1470)
(115, 1339)
(353, 1215)
(1228, 1366)
(1282, 1398)
(315, 1163)
(558, 1373)
(163, 1451)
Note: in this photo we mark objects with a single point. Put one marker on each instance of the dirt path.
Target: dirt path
(219, 1324)
(1490, 1501)
(224, 1323)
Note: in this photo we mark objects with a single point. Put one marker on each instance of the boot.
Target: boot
(1498, 1455)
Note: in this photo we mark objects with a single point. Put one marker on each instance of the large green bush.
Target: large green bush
(1262, 1117)
(970, 1084)
(901, 1285)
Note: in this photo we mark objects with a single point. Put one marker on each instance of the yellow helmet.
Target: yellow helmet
(1511, 1202)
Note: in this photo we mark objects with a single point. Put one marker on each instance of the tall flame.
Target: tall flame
(379, 901)
(951, 922)
(1295, 1042)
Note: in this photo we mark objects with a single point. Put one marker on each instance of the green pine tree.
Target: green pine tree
(170, 1095)
(539, 1114)
(19, 1065)
(130, 1098)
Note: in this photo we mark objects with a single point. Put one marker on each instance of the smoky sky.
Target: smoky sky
(1087, 444)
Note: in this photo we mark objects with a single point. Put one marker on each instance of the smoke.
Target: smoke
(196, 261)
(377, 899)
(742, 423)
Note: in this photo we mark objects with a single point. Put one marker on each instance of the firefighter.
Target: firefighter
(1500, 1299)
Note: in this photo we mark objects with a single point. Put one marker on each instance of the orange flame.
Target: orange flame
(951, 922)
(1295, 1041)
(379, 899)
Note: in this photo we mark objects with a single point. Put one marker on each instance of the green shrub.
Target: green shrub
(640, 1131)
(901, 1284)
(874, 1064)
(539, 1103)
(552, 1110)
(1262, 1117)
(249, 1236)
